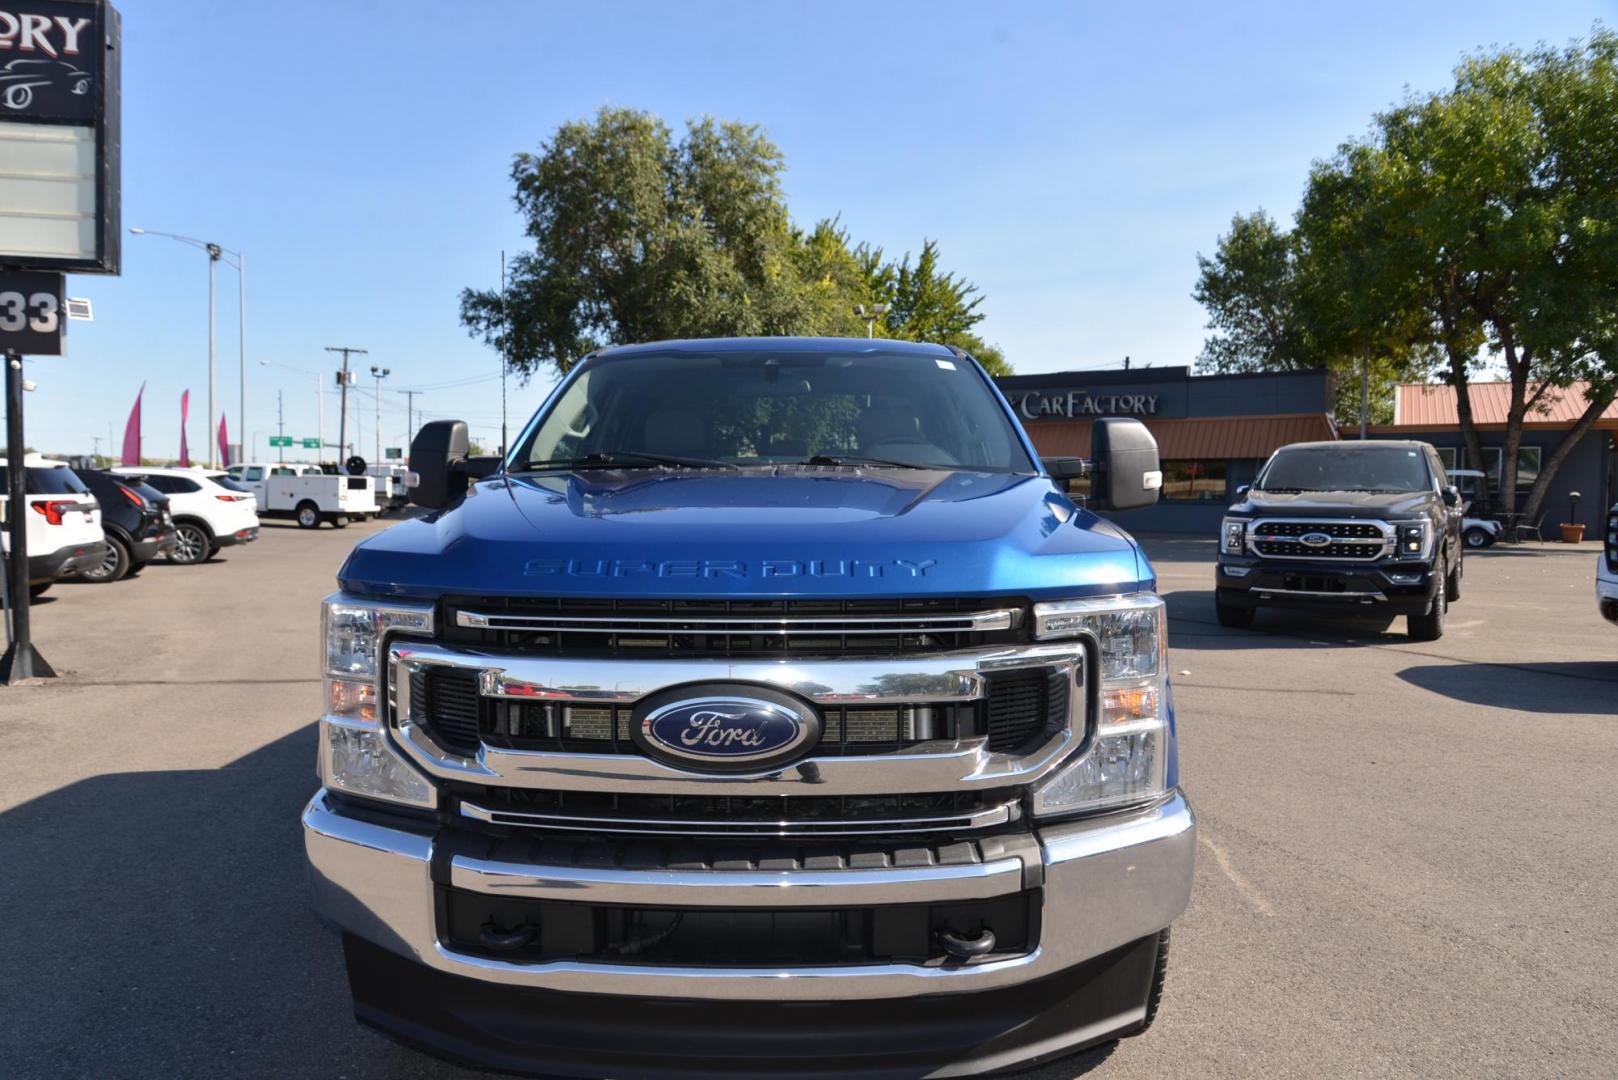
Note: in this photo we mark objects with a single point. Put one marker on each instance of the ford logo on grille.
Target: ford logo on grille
(1315, 539)
(725, 728)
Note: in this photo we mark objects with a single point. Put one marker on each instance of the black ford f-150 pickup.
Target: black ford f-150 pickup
(1364, 527)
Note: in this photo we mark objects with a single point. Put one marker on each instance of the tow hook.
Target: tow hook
(500, 940)
(964, 948)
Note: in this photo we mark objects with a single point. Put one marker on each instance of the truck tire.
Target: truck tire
(1154, 996)
(1233, 616)
(113, 566)
(340, 521)
(1452, 583)
(308, 515)
(1430, 626)
(193, 543)
(1478, 537)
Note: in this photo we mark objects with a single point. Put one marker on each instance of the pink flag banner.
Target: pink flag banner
(224, 444)
(185, 412)
(131, 455)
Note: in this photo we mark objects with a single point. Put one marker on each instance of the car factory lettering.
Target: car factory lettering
(1039, 404)
(54, 36)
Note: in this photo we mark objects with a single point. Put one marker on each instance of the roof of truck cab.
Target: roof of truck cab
(1349, 444)
(777, 345)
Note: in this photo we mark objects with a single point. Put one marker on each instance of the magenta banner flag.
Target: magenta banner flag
(131, 454)
(224, 444)
(185, 412)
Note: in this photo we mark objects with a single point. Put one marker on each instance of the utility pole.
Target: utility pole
(96, 439)
(410, 413)
(280, 429)
(378, 374)
(342, 381)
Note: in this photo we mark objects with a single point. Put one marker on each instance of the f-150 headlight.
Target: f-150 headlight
(1126, 760)
(1232, 535)
(356, 754)
(1413, 539)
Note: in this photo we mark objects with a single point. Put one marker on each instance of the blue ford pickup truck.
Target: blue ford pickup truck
(770, 708)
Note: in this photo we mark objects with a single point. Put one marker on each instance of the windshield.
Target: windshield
(683, 409)
(1346, 468)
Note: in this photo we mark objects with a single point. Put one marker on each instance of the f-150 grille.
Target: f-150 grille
(1023, 706)
(1360, 541)
(1611, 544)
(732, 628)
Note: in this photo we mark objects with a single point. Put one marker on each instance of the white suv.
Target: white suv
(63, 523)
(207, 514)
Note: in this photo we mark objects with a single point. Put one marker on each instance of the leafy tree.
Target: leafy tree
(640, 237)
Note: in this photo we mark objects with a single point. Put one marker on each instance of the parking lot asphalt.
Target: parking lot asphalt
(1408, 862)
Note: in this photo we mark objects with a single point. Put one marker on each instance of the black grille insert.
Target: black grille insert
(449, 706)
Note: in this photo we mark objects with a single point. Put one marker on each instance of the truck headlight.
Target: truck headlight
(1413, 539)
(1126, 760)
(1232, 535)
(356, 754)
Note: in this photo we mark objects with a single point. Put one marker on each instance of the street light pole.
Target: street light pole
(213, 266)
(870, 313)
(378, 374)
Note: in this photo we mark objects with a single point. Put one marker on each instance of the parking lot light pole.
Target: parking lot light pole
(378, 374)
(215, 252)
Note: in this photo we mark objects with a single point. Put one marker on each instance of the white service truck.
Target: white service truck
(307, 493)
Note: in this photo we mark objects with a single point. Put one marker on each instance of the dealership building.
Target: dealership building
(1214, 432)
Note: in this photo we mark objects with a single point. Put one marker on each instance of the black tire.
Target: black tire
(1233, 616)
(1452, 583)
(340, 521)
(193, 543)
(36, 591)
(114, 565)
(1154, 996)
(308, 515)
(1478, 538)
(1430, 626)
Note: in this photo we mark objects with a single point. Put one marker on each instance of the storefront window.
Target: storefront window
(1446, 454)
(1527, 465)
(1194, 481)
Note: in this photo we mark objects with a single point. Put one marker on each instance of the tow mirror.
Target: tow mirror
(435, 451)
(1128, 475)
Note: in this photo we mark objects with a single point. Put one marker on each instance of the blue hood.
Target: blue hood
(830, 532)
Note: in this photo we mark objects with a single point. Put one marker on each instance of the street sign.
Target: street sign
(280, 440)
(392, 453)
(60, 62)
(31, 322)
(311, 444)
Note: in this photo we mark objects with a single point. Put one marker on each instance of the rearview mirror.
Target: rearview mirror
(435, 451)
(1124, 460)
(1452, 496)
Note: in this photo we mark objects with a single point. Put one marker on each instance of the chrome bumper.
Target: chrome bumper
(1107, 881)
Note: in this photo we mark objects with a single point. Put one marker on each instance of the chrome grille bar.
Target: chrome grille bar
(946, 822)
(1351, 539)
(970, 622)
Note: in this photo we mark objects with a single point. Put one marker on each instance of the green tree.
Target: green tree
(638, 236)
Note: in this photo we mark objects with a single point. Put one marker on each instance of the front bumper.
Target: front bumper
(65, 561)
(1386, 588)
(1108, 885)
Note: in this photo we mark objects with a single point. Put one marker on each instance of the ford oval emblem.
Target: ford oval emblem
(1315, 540)
(726, 728)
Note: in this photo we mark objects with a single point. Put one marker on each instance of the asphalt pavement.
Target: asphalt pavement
(1408, 863)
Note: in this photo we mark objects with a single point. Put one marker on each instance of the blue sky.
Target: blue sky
(1071, 159)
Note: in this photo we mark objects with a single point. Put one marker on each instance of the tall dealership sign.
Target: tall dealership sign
(59, 214)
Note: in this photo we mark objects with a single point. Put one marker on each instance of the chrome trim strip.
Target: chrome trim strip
(736, 888)
(1363, 597)
(1382, 547)
(1000, 619)
(938, 678)
(1108, 881)
(957, 822)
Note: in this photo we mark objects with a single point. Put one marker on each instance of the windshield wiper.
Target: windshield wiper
(846, 459)
(627, 459)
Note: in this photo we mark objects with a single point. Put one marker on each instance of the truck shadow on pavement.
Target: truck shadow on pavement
(158, 924)
(1589, 686)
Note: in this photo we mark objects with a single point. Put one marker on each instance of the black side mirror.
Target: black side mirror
(435, 451)
(1065, 468)
(1124, 459)
(1452, 496)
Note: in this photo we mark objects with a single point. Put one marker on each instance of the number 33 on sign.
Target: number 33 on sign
(31, 322)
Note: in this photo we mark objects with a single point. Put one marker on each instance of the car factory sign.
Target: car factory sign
(1081, 404)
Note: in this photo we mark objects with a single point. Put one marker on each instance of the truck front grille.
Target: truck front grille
(731, 628)
(1360, 541)
(1023, 706)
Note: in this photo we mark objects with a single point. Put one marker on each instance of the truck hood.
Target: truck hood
(832, 532)
(1330, 504)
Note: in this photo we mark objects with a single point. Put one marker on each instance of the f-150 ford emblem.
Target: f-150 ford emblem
(1315, 539)
(719, 728)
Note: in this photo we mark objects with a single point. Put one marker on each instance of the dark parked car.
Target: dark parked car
(1370, 527)
(135, 517)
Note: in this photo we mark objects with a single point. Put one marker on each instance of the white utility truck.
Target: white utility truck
(307, 494)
